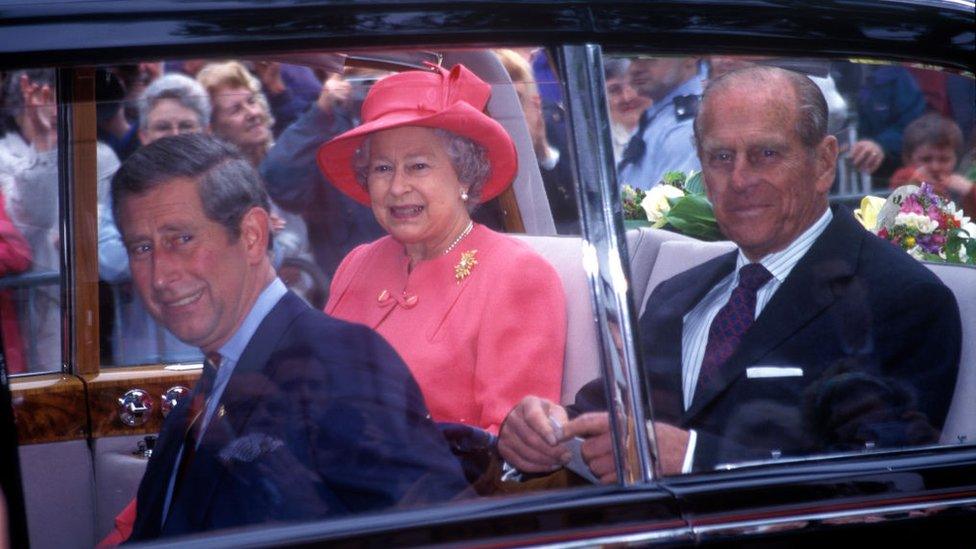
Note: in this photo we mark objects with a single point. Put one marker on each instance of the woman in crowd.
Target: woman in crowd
(241, 116)
(626, 105)
(477, 316)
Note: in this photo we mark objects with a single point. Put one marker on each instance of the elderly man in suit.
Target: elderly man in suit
(296, 416)
(814, 336)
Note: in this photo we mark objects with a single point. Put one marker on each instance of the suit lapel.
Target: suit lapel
(662, 326)
(206, 472)
(805, 293)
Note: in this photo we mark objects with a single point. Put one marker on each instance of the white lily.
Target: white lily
(656, 203)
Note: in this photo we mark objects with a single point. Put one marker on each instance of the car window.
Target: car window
(506, 307)
(31, 243)
(856, 334)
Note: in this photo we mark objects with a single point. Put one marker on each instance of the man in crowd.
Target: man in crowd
(297, 415)
(663, 141)
(813, 336)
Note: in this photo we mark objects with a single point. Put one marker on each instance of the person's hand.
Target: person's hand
(672, 445)
(151, 69)
(335, 91)
(958, 184)
(867, 156)
(529, 441)
(269, 73)
(39, 123)
(597, 449)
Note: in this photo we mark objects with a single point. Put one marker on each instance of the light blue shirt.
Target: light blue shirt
(230, 354)
(669, 142)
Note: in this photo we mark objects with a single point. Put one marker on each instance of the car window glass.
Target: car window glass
(30, 298)
(344, 248)
(858, 344)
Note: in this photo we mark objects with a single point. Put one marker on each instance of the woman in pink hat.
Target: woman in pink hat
(477, 316)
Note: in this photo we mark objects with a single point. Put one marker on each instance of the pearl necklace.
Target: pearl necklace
(460, 237)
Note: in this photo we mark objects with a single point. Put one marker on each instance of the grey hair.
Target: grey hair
(811, 122)
(468, 158)
(227, 183)
(615, 67)
(13, 99)
(182, 89)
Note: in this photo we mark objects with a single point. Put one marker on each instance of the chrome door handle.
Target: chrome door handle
(172, 397)
(135, 407)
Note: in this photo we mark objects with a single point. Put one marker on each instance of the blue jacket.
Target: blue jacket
(889, 100)
(875, 335)
(319, 419)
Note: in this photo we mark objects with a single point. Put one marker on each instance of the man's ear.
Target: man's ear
(255, 232)
(826, 163)
(143, 138)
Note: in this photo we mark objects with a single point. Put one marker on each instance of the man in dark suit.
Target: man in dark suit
(297, 416)
(813, 336)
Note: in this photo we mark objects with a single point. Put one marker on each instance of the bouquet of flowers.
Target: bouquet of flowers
(677, 203)
(926, 225)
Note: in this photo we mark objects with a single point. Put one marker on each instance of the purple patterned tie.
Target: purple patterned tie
(732, 320)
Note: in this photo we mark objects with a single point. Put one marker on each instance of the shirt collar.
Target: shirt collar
(780, 263)
(266, 301)
(692, 86)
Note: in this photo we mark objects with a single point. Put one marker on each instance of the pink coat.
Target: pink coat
(475, 346)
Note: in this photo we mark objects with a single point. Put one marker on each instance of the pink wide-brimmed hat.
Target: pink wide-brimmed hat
(453, 101)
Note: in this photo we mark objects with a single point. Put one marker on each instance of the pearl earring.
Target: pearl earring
(464, 195)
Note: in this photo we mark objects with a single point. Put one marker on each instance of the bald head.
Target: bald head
(773, 83)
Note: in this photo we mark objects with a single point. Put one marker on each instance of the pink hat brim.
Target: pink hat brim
(335, 157)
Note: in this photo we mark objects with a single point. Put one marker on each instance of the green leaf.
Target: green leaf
(692, 215)
(695, 185)
(673, 177)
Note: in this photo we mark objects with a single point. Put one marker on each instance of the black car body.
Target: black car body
(903, 497)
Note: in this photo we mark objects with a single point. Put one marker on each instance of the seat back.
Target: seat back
(960, 425)
(676, 256)
(582, 360)
(643, 245)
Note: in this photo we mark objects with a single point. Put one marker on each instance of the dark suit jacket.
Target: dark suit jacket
(876, 334)
(320, 419)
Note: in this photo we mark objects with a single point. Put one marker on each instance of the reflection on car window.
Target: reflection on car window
(30, 246)
(799, 333)
(393, 222)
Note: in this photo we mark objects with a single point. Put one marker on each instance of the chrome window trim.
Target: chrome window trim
(605, 257)
(670, 535)
(812, 521)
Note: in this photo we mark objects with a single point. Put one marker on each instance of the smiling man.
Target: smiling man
(814, 336)
(243, 448)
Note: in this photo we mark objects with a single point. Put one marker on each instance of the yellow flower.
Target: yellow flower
(910, 241)
(867, 214)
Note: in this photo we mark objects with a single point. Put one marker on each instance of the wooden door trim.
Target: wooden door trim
(81, 192)
(49, 408)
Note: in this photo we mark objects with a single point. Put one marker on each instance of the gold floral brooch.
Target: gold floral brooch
(463, 268)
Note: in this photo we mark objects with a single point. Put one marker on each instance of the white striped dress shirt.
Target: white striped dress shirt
(698, 320)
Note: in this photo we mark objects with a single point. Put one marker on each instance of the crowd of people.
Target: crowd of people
(442, 336)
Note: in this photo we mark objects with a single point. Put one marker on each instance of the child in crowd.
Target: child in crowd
(931, 147)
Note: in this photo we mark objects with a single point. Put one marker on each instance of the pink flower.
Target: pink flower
(911, 205)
